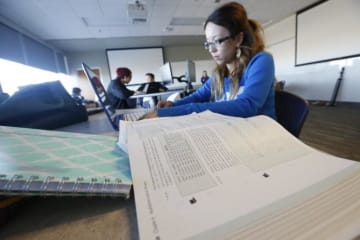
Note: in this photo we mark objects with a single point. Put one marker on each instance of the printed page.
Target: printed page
(195, 175)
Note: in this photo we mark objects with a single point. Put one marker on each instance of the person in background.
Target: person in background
(118, 93)
(76, 95)
(3, 95)
(151, 86)
(204, 77)
(80, 100)
(243, 83)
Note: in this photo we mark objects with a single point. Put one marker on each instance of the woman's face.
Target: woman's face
(225, 51)
(127, 79)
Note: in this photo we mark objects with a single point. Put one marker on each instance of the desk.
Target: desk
(77, 218)
(158, 94)
(55, 218)
(97, 124)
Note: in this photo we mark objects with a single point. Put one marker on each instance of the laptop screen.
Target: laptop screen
(100, 93)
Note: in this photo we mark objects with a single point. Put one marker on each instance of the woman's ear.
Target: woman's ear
(239, 38)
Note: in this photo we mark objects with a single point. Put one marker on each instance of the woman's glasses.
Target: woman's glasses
(216, 43)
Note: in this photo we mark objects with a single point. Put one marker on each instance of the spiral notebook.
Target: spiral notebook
(40, 162)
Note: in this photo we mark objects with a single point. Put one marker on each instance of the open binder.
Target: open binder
(40, 162)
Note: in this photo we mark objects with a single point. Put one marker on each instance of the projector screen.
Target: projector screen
(138, 60)
(328, 31)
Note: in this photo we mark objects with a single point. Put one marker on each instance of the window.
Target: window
(15, 74)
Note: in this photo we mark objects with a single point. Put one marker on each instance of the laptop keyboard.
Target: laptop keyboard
(133, 116)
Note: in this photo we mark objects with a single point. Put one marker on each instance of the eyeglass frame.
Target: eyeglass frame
(216, 43)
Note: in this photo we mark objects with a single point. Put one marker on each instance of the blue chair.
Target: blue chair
(291, 111)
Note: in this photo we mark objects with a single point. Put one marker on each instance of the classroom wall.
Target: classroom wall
(315, 81)
(176, 55)
(181, 53)
(95, 59)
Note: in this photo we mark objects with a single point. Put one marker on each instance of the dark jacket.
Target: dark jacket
(153, 87)
(118, 95)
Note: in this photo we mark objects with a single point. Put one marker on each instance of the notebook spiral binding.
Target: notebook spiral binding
(88, 164)
(63, 186)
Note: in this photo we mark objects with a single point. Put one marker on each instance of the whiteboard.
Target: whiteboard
(139, 60)
(328, 31)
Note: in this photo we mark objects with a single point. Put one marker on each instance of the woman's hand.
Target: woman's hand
(164, 104)
(152, 114)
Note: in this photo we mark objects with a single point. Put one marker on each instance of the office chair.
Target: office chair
(291, 111)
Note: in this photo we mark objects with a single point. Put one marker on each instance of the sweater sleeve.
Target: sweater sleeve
(257, 83)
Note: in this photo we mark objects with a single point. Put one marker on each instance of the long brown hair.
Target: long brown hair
(233, 17)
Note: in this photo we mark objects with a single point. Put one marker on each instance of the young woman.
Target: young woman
(118, 93)
(204, 77)
(243, 83)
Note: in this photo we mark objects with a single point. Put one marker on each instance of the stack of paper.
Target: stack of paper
(208, 176)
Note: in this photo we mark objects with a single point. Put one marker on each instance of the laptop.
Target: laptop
(111, 114)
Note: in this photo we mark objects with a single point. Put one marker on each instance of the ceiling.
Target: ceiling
(84, 25)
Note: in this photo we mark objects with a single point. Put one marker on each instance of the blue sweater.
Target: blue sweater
(255, 95)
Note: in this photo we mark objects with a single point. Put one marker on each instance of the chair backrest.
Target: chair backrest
(291, 111)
